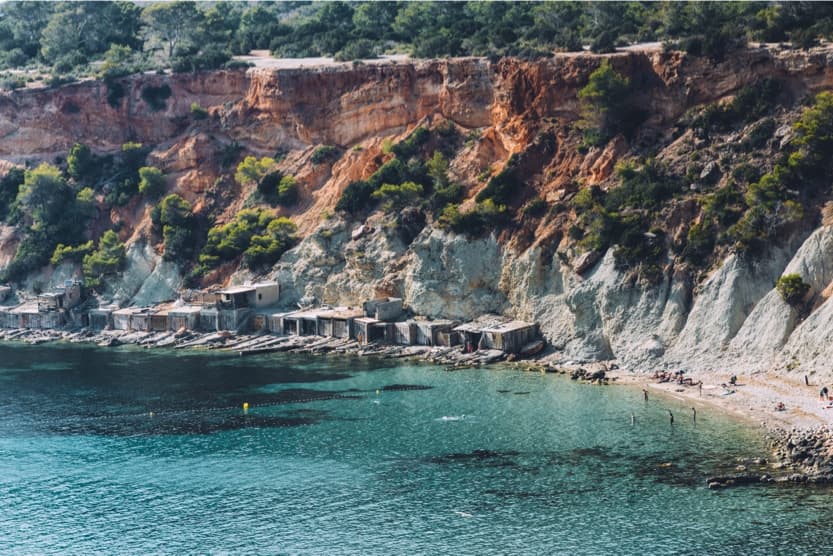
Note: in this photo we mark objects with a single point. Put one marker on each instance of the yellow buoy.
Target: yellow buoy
(245, 405)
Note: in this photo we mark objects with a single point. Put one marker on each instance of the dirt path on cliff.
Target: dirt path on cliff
(262, 59)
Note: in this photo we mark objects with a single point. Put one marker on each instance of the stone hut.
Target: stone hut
(121, 318)
(101, 318)
(495, 332)
(386, 309)
(435, 332)
(185, 316)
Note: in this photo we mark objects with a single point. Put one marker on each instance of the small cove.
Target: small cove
(137, 451)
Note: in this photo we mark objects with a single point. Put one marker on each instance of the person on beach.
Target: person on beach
(823, 394)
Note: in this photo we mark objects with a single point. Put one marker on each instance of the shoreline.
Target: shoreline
(258, 343)
(800, 437)
(753, 399)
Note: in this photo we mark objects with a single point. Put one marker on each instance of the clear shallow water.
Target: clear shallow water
(476, 462)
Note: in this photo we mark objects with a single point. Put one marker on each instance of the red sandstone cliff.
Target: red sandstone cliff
(510, 103)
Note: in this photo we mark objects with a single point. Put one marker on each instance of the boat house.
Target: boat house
(495, 332)
(435, 332)
(386, 309)
(101, 318)
(184, 316)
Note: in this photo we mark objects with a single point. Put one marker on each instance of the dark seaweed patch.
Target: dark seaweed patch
(401, 387)
(196, 424)
(486, 458)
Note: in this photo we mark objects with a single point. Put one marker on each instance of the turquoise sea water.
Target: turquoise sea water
(492, 461)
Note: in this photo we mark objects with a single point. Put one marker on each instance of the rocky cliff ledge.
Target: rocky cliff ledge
(726, 314)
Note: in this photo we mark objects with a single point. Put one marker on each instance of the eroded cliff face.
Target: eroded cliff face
(728, 316)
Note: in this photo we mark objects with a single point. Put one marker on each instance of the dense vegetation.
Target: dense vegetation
(413, 176)
(47, 210)
(111, 39)
(59, 209)
(255, 235)
(106, 261)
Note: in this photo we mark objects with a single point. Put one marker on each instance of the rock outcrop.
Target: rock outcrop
(586, 306)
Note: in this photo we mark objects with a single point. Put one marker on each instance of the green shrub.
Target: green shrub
(605, 110)
(9, 187)
(750, 104)
(502, 188)
(410, 146)
(587, 198)
(535, 207)
(107, 260)
(484, 216)
(123, 184)
(814, 131)
(198, 112)
(288, 191)
(151, 182)
(451, 193)
(642, 187)
(266, 248)
(724, 205)
(255, 234)
(746, 173)
(397, 197)
(360, 49)
(74, 253)
(176, 219)
(156, 97)
(133, 156)
(636, 246)
(355, 197)
(81, 163)
(324, 153)
(792, 288)
(699, 242)
(117, 62)
(358, 195)
(252, 169)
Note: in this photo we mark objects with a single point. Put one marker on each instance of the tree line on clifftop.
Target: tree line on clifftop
(108, 39)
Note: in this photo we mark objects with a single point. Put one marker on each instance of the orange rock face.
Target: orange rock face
(503, 108)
